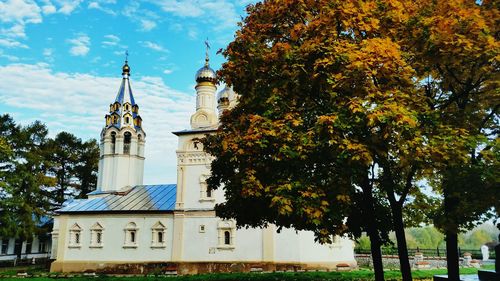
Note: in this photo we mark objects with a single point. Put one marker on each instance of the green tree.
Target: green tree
(36, 173)
(73, 165)
(86, 167)
(63, 154)
(456, 56)
(24, 197)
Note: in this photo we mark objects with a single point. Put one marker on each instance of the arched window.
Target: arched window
(127, 120)
(113, 142)
(227, 230)
(130, 235)
(75, 236)
(158, 235)
(126, 142)
(96, 235)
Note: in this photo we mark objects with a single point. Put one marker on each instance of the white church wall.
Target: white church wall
(114, 247)
(315, 252)
(206, 246)
(287, 248)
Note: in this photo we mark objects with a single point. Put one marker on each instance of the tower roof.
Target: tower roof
(124, 112)
(125, 92)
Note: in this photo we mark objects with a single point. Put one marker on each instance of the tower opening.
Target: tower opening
(113, 142)
(126, 142)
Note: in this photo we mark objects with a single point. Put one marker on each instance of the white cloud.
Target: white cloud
(78, 102)
(48, 8)
(146, 19)
(97, 6)
(80, 45)
(147, 25)
(153, 46)
(48, 53)
(10, 43)
(15, 14)
(183, 8)
(20, 11)
(111, 40)
(68, 6)
(8, 57)
(14, 31)
(220, 14)
(168, 71)
(192, 34)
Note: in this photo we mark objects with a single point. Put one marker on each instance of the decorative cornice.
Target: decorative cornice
(193, 158)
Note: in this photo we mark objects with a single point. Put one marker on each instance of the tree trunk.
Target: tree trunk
(452, 256)
(378, 266)
(372, 230)
(399, 229)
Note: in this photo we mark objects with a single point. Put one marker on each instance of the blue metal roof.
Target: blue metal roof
(125, 92)
(141, 198)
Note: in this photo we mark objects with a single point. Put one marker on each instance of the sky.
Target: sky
(61, 60)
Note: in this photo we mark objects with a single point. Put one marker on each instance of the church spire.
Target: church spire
(121, 162)
(124, 112)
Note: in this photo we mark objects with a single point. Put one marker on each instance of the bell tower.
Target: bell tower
(121, 162)
(205, 116)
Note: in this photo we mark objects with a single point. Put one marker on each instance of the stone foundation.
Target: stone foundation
(184, 268)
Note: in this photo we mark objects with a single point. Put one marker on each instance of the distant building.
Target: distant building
(125, 226)
(38, 247)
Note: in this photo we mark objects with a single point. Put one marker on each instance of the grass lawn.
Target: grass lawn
(362, 274)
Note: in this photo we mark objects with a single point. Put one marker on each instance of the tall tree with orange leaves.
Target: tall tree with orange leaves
(334, 119)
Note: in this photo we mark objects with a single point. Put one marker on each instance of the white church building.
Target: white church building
(127, 227)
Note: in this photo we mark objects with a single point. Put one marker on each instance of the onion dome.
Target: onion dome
(226, 95)
(126, 69)
(205, 74)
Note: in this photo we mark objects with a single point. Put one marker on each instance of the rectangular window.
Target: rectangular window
(5, 246)
(41, 246)
(29, 243)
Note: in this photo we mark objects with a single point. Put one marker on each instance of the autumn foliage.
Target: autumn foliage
(339, 96)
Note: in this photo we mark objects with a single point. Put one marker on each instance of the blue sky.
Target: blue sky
(60, 63)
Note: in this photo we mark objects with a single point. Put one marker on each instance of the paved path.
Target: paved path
(468, 277)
